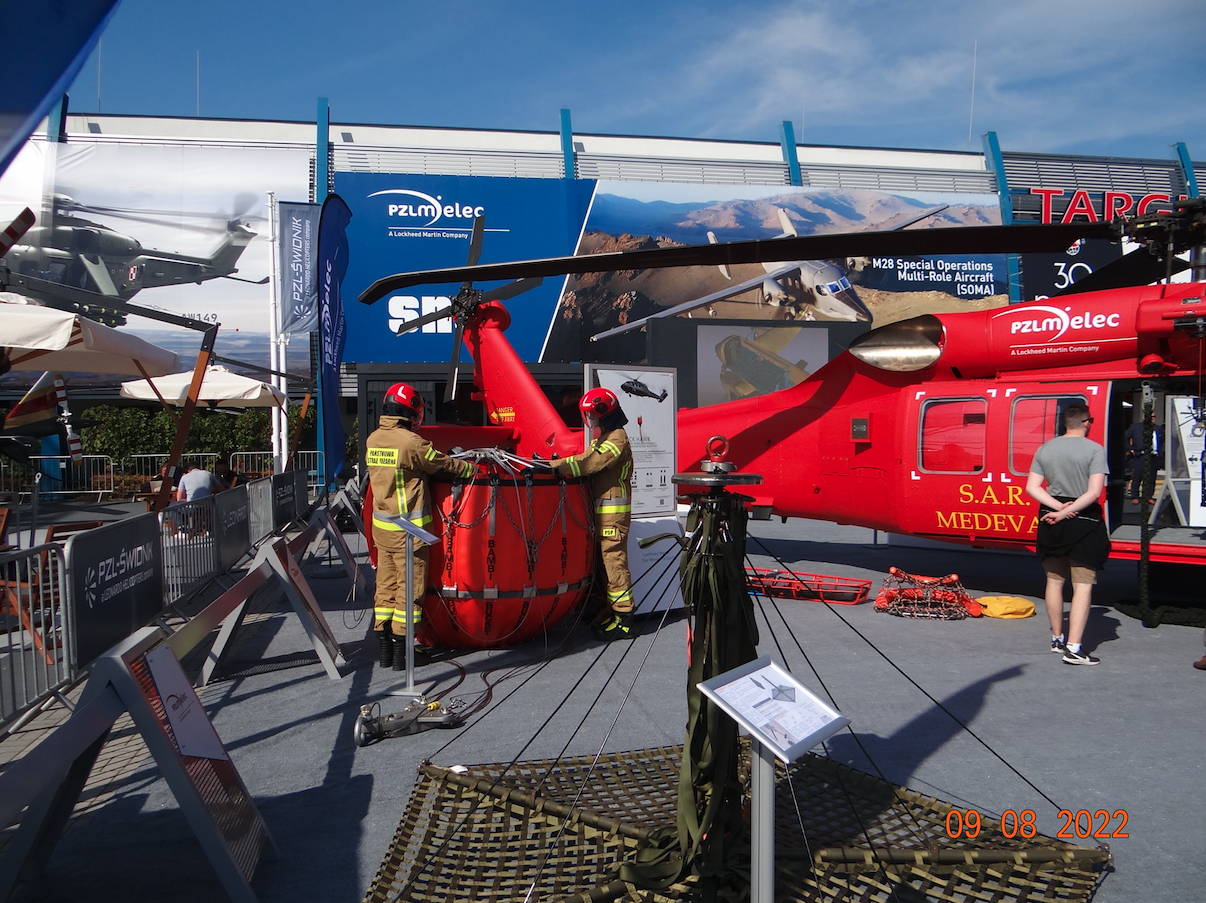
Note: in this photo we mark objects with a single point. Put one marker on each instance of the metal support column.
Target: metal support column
(787, 139)
(996, 163)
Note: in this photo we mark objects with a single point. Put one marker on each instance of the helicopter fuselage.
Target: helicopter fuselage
(88, 255)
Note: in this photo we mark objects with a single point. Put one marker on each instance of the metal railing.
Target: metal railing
(59, 474)
(259, 496)
(35, 659)
(256, 465)
(311, 462)
(190, 557)
(252, 465)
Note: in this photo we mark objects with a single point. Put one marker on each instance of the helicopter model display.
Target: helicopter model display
(66, 248)
(928, 426)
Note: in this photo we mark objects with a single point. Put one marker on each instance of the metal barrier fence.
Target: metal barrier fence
(93, 473)
(190, 556)
(137, 470)
(259, 495)
(35, 659)
(256, 465)
(198, 540)
(252, 465)
(312, 463)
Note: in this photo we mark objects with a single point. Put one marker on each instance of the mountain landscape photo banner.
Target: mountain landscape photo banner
(876, 291)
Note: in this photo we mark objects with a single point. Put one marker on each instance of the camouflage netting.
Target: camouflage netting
(536, 834)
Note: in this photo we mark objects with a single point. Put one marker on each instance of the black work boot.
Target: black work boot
(422, 654)
(618, 626)
(385, 645)
(399, 652)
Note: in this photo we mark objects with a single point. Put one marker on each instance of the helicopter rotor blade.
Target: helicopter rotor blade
(511, 289)
(454, 366)
(1140, 267)
(475, 240)
(1020, 239)
(434, 316)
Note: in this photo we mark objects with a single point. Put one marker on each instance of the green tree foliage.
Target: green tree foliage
(125, 431)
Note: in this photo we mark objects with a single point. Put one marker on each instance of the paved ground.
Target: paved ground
(1123, 736)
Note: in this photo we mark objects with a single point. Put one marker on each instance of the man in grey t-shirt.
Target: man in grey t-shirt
(197, 484)
(1072, 541)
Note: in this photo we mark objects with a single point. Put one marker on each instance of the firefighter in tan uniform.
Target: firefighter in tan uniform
(399, 463)
(608, 464)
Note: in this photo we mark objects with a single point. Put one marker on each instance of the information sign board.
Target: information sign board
(648, 396)
(778, 710)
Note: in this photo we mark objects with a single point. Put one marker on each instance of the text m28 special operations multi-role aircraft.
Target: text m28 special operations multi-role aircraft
(927, 426)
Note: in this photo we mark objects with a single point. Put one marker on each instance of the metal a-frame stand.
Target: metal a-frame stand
(277, 557)
(141, 676)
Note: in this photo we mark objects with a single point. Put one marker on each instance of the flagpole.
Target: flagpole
(274, 326)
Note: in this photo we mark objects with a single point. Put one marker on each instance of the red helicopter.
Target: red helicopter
(926, 426)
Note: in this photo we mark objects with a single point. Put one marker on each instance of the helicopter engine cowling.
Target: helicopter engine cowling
(1053, 332)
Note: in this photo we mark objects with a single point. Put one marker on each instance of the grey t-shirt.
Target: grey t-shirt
(198, 484)
(1067, 462)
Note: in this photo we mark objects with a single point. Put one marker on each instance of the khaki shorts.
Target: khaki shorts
(1064, 569)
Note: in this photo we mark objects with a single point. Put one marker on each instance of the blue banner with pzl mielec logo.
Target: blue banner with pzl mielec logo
(402, 223)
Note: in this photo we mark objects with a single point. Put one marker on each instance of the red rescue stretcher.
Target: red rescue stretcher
(808, 587)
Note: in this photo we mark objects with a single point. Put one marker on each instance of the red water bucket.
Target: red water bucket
(516, 556)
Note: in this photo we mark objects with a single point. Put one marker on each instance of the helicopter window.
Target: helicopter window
(1035, 420)
(822, 289)
(954, 435)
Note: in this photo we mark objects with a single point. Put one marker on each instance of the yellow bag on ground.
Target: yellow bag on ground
(1006, 607)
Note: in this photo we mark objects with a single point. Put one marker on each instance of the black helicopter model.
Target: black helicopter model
(66, 249)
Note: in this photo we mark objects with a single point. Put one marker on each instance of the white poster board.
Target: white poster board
(1185, 438)
(649, 398)
(655, 583)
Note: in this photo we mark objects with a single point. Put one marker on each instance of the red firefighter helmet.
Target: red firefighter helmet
(601, 409)
(401, 400)
(598, 402)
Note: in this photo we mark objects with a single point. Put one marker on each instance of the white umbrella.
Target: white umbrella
(220, 388)
(44, 338)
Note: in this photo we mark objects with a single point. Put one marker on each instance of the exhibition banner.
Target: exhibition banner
(297, 246)
(628, 216)
(115, 582)
(332, 267)
(417, 222)
(180, 229)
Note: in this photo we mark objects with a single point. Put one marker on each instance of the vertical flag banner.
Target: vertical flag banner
(297, 231)
(332, 331)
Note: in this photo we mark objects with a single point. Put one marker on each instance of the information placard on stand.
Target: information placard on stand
(785, 720)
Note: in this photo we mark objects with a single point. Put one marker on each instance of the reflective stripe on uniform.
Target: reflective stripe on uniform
(397, 614)
(431, 453)
(608, 446)
(574, 467)
(420, 518)
(620, 505)
(621, 600)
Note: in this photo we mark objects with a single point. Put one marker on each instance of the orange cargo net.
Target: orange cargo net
(912, 596)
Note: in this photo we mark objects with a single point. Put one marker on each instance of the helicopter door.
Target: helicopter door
(1035, 417)
(951, 455)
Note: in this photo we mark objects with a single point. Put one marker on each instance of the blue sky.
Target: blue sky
(1103, 77)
